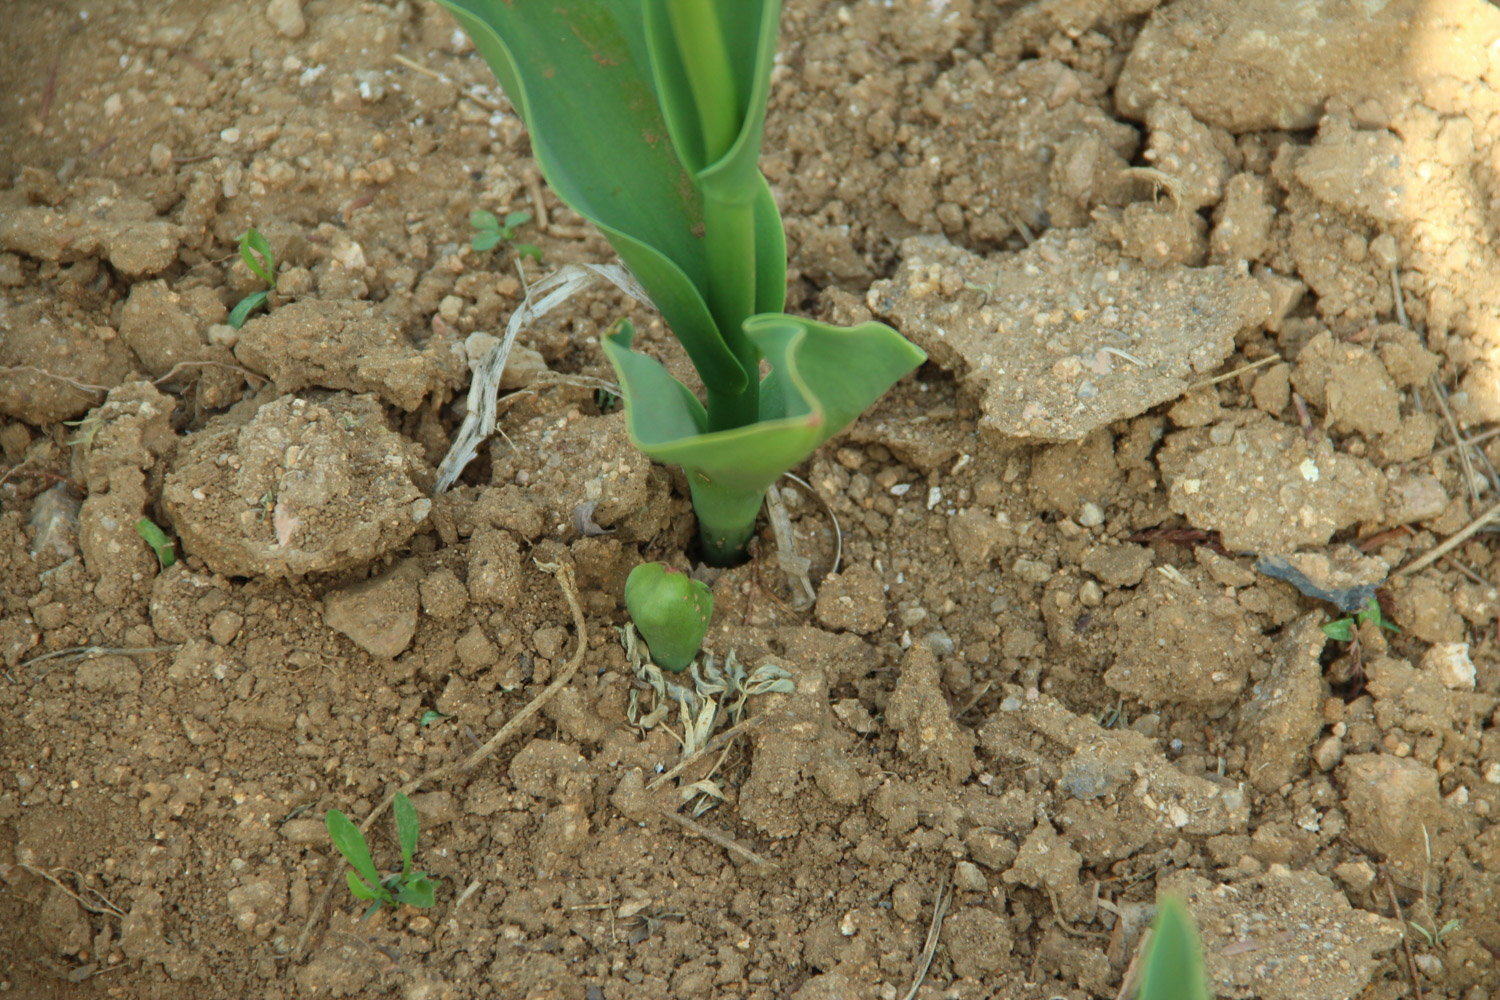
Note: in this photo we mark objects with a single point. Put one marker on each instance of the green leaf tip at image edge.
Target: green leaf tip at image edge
(1172, 967)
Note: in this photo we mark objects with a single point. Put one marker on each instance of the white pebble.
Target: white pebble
(1450, 662)
(286, 17)
(1091, 516)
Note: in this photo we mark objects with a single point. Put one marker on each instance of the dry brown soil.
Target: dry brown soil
(1211, 290)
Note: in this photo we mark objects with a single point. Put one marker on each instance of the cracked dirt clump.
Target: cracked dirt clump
(1067, 335)
(303, 486)
(1270, 489)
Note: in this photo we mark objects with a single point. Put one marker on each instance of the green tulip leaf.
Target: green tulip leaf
(822, 377)
(1172, 968)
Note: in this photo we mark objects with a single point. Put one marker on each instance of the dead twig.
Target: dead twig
(108, 908)
(49, 93)
(934, 933)
(417, 67)
(564, 574)
(80, 386)
(249, 375)
(1268, 359)
(1470, 478)
(710, 747)
(538, 202)
(713, 836)
(1411, 964)
(838, 532)
(74, 653)
(1453, 542)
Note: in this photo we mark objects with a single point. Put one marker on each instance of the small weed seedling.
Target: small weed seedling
(490, 232)
(1434, 936)
(1172, 966)
(671, 611)
(1347, 629)
(255, 251)
(406, 886)
(646, 118)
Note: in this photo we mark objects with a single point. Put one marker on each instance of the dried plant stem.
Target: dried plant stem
(1470, 478)
(934, 932)
(713, 836)
(1453, 542)
(1268, 359)
(1411, 964)
(712, 745)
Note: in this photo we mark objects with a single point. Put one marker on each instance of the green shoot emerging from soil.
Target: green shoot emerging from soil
(1344, 629)
(1172, 967)
(255, 251)
(490, 232)
(158, 540)
(406, 886)
(646, 118)
(671, 610)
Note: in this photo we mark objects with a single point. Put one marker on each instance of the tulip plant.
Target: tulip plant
(646, 118)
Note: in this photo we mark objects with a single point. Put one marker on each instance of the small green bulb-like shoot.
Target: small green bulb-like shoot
(1172, 968)
(671, 610)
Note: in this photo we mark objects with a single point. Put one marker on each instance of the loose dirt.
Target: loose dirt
(1204, 289)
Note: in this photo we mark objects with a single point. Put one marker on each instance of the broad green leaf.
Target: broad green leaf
(246, 306)
(253, 244)
(417, 889)
(480, 219)
(485, 241)
(822, 377)
(351, 844)
(579, 74)
(748, 30)
(514, 219)
(1172, 968)
(406, 828)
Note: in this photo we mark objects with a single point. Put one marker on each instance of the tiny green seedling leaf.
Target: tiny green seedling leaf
(158, 540)
(244, 307)
(252, 246)
(351, 844)
(490, 232)
(1172, 967)
(255, 251)
(360, 889)
(1341, 630)
(430, 716)
(406, 829)
(1344, 629)
(418, 890)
